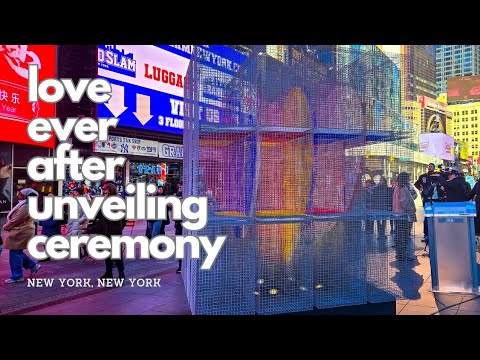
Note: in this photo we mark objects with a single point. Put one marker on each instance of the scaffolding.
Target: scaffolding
(296, 158)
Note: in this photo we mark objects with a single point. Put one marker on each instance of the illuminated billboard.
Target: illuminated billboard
(15, 110)
(434, 115)
(148, 82)
(463, 150)
(463, 88)
(438, 145)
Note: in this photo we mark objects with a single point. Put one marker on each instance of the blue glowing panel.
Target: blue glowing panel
(148, 83)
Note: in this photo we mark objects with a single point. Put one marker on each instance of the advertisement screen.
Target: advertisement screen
(5, 176)
(15, 110)
(463, 150)
(148, 82)
(463, 88)
(434, 122)
(438, 145)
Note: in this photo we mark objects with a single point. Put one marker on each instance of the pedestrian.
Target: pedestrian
(51, 227)
(404, 209)
(382, 201)
(20, 229)
(75, 226)
(431, 191)
(392, 185)
(475, 193)
(179, 192)
(367, 193)
(179, 227)
(108, 228)
(158, 226)
(466, 184)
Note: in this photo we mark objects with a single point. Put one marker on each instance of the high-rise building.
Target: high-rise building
(417, 65)
(419, 71)
(456, 60)
(466, 126)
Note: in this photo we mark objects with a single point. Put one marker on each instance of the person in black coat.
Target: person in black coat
(475, 193)
(367, 198)
(454, 187)
(103, 226)
(466, 184)
(431, 191)
(51, 227)
(179, 228)
(382, 197)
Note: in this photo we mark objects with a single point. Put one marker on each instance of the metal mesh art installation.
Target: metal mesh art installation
(297, 159)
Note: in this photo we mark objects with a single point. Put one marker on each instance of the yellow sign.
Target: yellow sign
(463, 147)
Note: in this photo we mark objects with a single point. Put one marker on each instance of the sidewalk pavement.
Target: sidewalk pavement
(434, 303)
(170, 298)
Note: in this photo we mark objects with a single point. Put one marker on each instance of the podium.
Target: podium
(451, 236)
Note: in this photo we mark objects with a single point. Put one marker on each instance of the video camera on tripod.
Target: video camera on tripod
(433, 191)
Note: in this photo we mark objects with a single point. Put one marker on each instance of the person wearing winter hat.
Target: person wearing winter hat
(20, 229)
(75, 226)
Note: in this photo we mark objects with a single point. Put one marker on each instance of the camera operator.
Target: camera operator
(466, 184)
(431, 191)
(454, 188)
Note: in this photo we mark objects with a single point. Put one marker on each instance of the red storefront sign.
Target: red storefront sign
(15, 110)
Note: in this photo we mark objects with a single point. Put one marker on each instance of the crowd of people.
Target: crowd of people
(398, 200)
(20, 228)
(447, 185)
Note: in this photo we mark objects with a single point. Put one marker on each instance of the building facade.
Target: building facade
(455, 60)
(465, 126)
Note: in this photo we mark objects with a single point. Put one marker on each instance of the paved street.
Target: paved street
(169, 298)
(430, 303)
(434, 303)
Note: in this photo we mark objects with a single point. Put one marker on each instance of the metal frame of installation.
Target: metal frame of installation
(290, 161)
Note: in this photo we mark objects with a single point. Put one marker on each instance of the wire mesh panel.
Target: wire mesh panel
(228, 287)
(307, 149)
(339, 263)
(283, 267)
